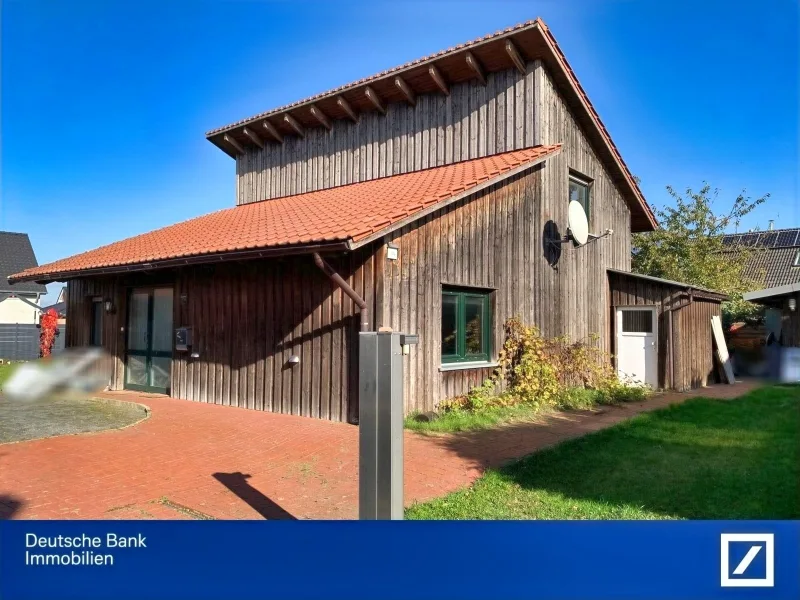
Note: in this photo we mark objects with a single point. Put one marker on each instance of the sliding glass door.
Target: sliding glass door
(149, 343)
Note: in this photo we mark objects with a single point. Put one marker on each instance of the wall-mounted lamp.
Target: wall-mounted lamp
(184, 297)
(294, 359)
(392, 252)
(109, 306)
(792, 304)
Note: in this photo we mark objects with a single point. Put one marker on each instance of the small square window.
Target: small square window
(466, 325)
(579, 191)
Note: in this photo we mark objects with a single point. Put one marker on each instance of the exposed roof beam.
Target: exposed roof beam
(254, 137)
(320, 116)
(272, 131)
(401, 85)
(292, 122)
(515, 57)
(438, 79)
(375, 99)
(476, 67)
(234, 144)
(345, 106)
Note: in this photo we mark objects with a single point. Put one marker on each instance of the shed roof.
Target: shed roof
(716, 294)
(16, 254)
(349, 215)
(496, 52)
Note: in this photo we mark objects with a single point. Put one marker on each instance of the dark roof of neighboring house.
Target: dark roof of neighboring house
(775, 253)
(59, 307)
(16, 254)
(527, 41)
(348, 216)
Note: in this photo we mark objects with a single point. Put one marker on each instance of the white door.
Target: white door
(637, 345)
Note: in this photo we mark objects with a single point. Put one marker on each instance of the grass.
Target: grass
(464, 420)
(5, 372)
(703, 459)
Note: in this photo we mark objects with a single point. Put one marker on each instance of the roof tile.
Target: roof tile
(329, 215)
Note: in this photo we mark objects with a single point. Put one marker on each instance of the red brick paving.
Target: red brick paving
(184, 461)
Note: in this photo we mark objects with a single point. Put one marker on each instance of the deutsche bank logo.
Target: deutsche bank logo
(748, 559)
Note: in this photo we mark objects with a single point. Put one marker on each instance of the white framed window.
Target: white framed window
(580, 190)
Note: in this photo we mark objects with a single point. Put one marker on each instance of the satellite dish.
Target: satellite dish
(578, 223)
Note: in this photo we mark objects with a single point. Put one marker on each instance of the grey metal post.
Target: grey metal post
(380, 425)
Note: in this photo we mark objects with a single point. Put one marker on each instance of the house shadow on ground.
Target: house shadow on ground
(263, 505)
(713, 459)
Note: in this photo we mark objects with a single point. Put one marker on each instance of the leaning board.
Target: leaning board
(722, 348)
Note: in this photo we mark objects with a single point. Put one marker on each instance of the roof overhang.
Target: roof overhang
(508, 49)
(171, 263)
(696, 290)
(774, 293)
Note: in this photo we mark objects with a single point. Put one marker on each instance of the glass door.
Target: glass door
(149, 347)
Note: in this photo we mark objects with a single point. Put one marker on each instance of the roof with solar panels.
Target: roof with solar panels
(778, 263)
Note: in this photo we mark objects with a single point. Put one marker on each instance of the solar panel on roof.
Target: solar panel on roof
(787, 238)
(768, 240)
(730, 240)
(749, 239)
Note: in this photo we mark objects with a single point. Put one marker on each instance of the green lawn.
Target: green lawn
(5, 372)
(703, 459)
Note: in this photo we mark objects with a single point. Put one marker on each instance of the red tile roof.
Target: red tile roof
(348, 213)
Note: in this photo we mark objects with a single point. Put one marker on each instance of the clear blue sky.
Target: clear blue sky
(105, 103)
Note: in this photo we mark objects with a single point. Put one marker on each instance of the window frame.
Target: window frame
(461, 294)
(796, 262)
(588, 183)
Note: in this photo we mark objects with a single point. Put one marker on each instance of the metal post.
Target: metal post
(381, 424)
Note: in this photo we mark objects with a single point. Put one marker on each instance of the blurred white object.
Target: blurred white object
(790, 365)
(81, 369)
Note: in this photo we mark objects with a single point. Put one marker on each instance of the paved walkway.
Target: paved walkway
(192, 460)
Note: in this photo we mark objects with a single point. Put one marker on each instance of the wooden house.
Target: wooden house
(431, 198)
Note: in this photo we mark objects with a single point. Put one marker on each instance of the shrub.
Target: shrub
(546, 373)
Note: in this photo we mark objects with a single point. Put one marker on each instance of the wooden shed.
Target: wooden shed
(670, 322)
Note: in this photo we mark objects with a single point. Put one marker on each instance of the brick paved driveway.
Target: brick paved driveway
(192, 460)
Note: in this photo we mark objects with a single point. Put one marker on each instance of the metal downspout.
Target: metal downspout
(338, 280)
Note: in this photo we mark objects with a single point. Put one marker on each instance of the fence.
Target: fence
(21, 341)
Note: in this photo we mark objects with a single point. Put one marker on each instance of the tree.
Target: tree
(688, 248)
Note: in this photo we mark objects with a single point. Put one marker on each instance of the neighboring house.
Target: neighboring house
(775, 258)
(19, 304)
(431, 198)
(776, 263)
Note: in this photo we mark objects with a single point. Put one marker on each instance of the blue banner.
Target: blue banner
(376, 560)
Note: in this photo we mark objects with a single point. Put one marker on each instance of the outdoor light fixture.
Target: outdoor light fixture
(392, 252)
(109, 306)
(184, 297)
(792, 304)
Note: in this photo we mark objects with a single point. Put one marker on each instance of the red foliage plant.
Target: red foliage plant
(48, 326)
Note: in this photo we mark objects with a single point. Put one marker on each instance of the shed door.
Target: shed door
(637, 345)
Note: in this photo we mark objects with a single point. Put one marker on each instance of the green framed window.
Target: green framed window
(580, 191)
(466, 325)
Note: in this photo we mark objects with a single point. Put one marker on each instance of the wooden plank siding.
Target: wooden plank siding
(580, 283)
(248, 318)
(685, 347)
(471, 122)
(494, 241)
